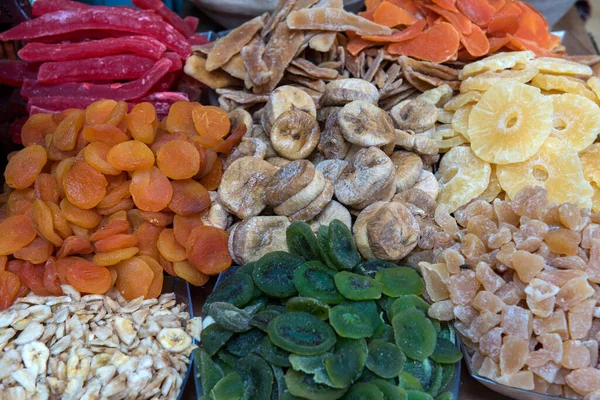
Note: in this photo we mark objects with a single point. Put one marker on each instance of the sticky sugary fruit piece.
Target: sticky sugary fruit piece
(498, 122)
(10, 286)
(574, 292)
(576, 119)
(304, 385)
(421, 370)
(188, 272)
(142, 122)
(463, 287)
(178, 159)
(446, 352)
(564, 84)
(409, 301)
(213, 337)
(357, 287)
(559, 66)
(575, 355)
(513, 354)
(400, 281)
(385, 359)
(274, 354)
(340, 247)
(134, 278)
(157, 283)
(371, 267)
(521, 380)
(301, 333)
(236, 289)
(541, 297)
(314, 279)
(362, 390)
(257, 374)
(462, 177)
(84, 186)
(309, 305)
(130, 156)
(350, 322)
(414, 334)
(589, 162)
(346, 363)
(274, 273)
(527, 265)
(555, 167)
(302, 241)
(496, 62)
(150, 189)
(246, 342)
(24, 166)
(17, 232)
(517, 321)
(211, 121)
(88, 277)
(207, 369)
(563, 241)
(435, 277)
(487, 80)
(389, 390)
(584, 381)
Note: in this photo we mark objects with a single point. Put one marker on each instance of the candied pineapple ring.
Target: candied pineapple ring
(594, 84)
(576, 119)
(556, 167)
(560, 66)
(590, 162)
(486, 80)
(462, 177)
(510, 123)
(497, 62)
(564, 84)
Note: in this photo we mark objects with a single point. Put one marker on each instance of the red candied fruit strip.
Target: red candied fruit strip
(14, 73)
(50, 105)
(192, 23)
(164, 83)
(108, 18)
(114, 91)
(41, 7)
(197, 40)
(166, 14)
(140, 45)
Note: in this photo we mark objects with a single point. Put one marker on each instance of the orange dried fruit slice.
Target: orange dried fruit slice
(410, 32)
(437, 44)
(496, 62)
(476, 43)
(458, 20)
(478, 11)
(510, 123)
(134, 278)
(576, 120)
(391, 15)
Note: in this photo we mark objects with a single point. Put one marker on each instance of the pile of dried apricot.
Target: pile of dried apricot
(102, 197)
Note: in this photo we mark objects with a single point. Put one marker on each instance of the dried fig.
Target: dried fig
(289, 180)
(295, 134)
(366, 125)
(415, 115)
(408, 169)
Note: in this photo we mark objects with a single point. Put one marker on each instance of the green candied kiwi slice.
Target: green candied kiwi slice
(238, 289)
(274, 354)
(408, 382)
(407, 302)
(448, 371)
(213, 337)
(346, 363)
(341, 247)
(400, 281)
(231, 387)
(385, 359)
(301, 333)
(302, 241)
(256, 305)
(436, 380)
(310, 305)
(363, 391)
(350, 322)
(230, 317)
(304, 386)
(389, 391)
(414, 334)
(257, 377)
(386, 334)
(357, 287)
(227, 358)
(274, 273)
(446, 352)
(314, 279)
(314, 365)
(263, 319)
(416, 395)
(323, 241)
(369, 307)
(445, 396)
(246, 269)
(371, 267)
(245, 343)
(422, 370)
(447, 332)
(210, 373)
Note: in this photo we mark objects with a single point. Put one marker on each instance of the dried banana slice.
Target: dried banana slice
(408, 169)
(316, 206)
(343, 91)
(368, 171)
(392, 232)
(366, 125)
(304, 197)
(286, 98)
(333, 210)
(242, 188)
(258, 236)
(360, 229)
(415, 115)
(332, 143)
(332, 169)
(289, 180)
(295, 134)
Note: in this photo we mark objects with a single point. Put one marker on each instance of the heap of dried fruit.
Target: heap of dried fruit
(317, 323)
(101, 197)
(445, 30)
(521, 281)
(525, 121)
(95, 346)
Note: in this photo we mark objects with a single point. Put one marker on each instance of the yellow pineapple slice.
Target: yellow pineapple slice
(590, 162)
(444, 116)
(447, 138)
(460, 122)
(556, 167)
(486, 80)
(596, 198)
(462, 100)
(576, 119)
(510, 123)
(564, 84)
(560, 66)
(493, 189)
(462, 177)
(496, 62)
(594, 84)
(438, 95)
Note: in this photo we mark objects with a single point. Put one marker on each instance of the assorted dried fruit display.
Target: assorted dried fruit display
(318, 323)
(78, 346)
(102, 197)
(77, 54)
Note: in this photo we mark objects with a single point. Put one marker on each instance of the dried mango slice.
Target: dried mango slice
(565, 84)
(478, 11)
(498, 43)
(409, 33)
(496, 62)
(437, 44)
(503, 25)
(358, 44)
(477, 43)
(333, 19)
(560, 66)
(576, 119)
(485, 81)
(462, 177)
(389, 15)
(510, 123)
(557, 167)
(458, 20)
(449, 5)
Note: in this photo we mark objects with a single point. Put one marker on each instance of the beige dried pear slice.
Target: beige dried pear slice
(295, 134)
(392, 232)
(510, 123)
(289, 180)
(286, 98)
(462, 177)
(576, 119)
(333, 210)
(486, 80)
(316, 206)
(304, 197)
(242, 188)
(417, 115)
(461, 100)
(366, 125)
(360, 229)
(258, 236)
(556, 166)
(369, 170)
(566, 84)
(333, 19)
(408, 169)
(496, 62)
(560, 66)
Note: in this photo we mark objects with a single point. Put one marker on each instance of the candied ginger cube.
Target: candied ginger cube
(527, 265)
(481, 226)
(573, 293)
(592, 346)
(563, 241)
(547, 371)
(561, 277)
(575, 355)
(513, 354)
(541, 297)
(442, 310)
(521, 380)
(589, 234)
(510, 294)
(487, 301)
(488, 278)
(465, 314)
(580, 318)
(472, 246)
(505, 254)
(499, 238)
(538, 358)
(553, 344)
(517, 321)
(569, 215)
(541, 386)
(490, 343)
(453, 260)
(482, 324)
(569, 262)
(531, 201)
(584, 380)
(504, 212)
(489, 369)
(463, 287)
(556, 323)
(435, 277)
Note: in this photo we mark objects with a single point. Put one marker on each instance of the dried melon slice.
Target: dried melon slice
(576, 119)
(564, 84)
(462, 177)
(560, 66)
(510, 123)
(556, 167)
(486, 80)
(497, 62)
